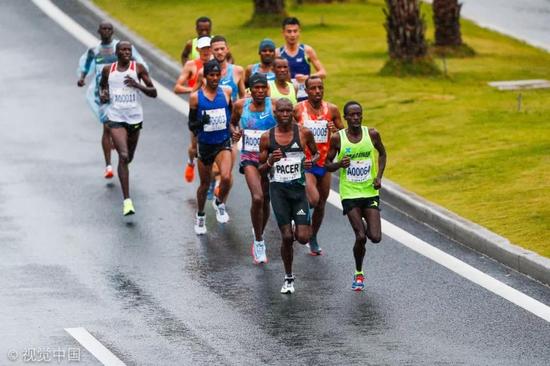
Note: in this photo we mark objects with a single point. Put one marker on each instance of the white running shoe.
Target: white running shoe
(258, 252)
(221, 212)
(200, 224)
(288, 286)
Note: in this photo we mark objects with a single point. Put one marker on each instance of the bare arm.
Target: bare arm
(200, 81)
(235, 119)
(247, 74)
(186, 52)
(240, 83)
(181, 84)
(379, 146)
(308, 140)
(147, 89)
(104, 84)
(319, 68)
(336, 124)
(332, 152)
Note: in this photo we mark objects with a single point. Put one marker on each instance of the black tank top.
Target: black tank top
(290, 169)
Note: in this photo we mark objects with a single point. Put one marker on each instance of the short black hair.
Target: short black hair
(279, 58)
(117, 47)
(218, 39)
(290, 21)
(349, 104)
(315, 77)
(202, 20)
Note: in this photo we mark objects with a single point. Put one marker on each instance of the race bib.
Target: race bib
(251, 140)
(301, 89)
(358, 171)
(218, 120)
(287, 169)
(124, 98)
(319, 129)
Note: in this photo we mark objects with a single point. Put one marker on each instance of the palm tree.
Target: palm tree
(405, 29)
(447, 23)
(268, 13)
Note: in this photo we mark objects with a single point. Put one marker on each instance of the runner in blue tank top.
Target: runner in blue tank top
(209, 116)
(299, 56)
(266, 50)
(231, 75)
(251, 117)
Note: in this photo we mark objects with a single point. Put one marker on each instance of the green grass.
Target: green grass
(453, 140)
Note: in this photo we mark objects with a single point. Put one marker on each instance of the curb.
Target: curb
(440, 219)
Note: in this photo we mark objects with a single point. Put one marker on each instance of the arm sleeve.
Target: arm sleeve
(86, 62)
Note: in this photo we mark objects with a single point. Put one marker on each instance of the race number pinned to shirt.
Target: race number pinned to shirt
(251, 140)
(124, 98)
(319, 129)
(218, 120)
(287, 169)
(358, 171)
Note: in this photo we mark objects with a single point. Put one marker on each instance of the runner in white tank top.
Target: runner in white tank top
(121, 87)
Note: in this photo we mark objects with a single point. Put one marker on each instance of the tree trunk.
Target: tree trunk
(405, 28)
(447, 22)
(269, 7)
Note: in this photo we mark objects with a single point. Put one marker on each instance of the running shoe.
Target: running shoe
(200, 224)
(358, 282)
(314, 248)
(128, 207)
(221, 212)
(108, 172)
(210, 193)
(189, 172)
(288, 286)
(258, 252)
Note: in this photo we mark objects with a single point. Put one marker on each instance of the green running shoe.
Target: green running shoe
(128, 207)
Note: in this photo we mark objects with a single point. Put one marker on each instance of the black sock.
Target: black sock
(218, 202)
(200, 214)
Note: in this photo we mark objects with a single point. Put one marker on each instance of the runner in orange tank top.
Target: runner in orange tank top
(185, 84)
(322, 118)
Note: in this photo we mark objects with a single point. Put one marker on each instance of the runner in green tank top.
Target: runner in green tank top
(281, 87)
(360, 179)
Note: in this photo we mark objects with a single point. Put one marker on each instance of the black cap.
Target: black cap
(257, 78)
(211, 66)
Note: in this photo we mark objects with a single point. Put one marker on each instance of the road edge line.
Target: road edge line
(98, 350)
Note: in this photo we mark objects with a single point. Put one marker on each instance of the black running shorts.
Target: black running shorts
(362, 203)
(130, 127)
(289, 203)
(207, 153)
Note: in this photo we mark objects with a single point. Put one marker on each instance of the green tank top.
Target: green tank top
(194, 53)
(276, 94)
(356, 180)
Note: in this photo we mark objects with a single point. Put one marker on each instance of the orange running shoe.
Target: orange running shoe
(189, 172)
(108, 172)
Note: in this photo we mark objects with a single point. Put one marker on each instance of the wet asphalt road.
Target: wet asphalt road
(155, 294)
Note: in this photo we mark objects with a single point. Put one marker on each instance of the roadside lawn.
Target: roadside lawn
(453, 140)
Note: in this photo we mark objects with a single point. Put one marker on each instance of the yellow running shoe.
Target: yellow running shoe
(128, 207)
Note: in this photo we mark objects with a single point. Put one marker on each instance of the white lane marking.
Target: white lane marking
(89, 40)
(526, 302)
(457, 266)
(94, 347)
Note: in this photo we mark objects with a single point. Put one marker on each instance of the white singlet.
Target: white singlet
(125, 101)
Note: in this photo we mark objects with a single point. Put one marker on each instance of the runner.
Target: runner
(250, 118)
(95, 59)
(231, 75)
(209, 116)
(322, 118)
(184, 85)
(121, 85)
(281, 87)
(203, 27)
(282, 153)
(360, 180)
(266, 50)
(299, 57)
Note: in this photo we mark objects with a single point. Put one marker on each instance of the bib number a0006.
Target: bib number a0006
(218, 120)
(251, 140)
(319, 130)
(287, 169)
(124, 98)
(358, 171)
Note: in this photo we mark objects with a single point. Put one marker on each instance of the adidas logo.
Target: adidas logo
(301, 213)
(295, 146)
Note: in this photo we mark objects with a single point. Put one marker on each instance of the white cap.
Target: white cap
(203, 42)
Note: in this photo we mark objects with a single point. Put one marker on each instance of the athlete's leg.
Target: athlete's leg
(287, 253)
(323, 189)
(106, 144)
(224, 161)
(356, 221)
(311, 189)
(120, 139)
(205, 172)
(302, 233)
(266, 208)
(133, 139)
(254, 182)
(374, 227)
(192, 149)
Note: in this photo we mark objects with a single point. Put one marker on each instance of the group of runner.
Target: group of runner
(290, 139)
